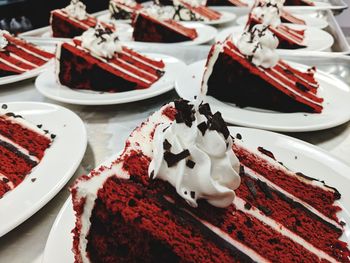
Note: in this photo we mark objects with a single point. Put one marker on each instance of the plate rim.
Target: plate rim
(50, 193)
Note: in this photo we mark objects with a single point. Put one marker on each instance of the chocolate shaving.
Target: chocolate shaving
(185, 112)
(172, 159)
(5, 180)
(218, 124)
(190, 164)
(205, 110)
(202, 127)
(166, 145)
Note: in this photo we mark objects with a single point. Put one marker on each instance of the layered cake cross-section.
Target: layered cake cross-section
(73, 20)
(184, 190)
(155, 24)
(18, 56)
(97, 61)
(22, 147)
(250, 74)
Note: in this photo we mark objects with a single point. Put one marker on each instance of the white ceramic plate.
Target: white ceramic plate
(315, 39)
(311, 160)
(53, 172)
(47, 85)
(335, 92)
(310, 21)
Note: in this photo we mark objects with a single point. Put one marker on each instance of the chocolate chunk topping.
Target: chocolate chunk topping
(190, 164)
(185, 112)
(172, 159)
(205, 110)
(4, 106)
(193, 194)
(166, 145)
(267, 211)
(239, 136)
(266, 152)
(218, 124)
(202, 127)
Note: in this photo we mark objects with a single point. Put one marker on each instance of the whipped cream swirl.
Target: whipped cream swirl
(259, 45)
(269, 12)
(194, 154)
(76, 9)
(101, 42)
(3, 40)
(160, 12)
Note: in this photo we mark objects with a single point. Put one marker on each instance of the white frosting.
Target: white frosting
(260, 44)
(3, 40)
(76, 9)
(269, 12)
(101, 42)
(159, 12)
(215, 174)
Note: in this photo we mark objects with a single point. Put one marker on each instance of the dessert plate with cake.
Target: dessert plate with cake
(186, 188)
(97, 69)
(33, 139)
(253, 87)
(20, 60)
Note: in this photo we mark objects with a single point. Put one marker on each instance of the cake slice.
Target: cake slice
(155, 25)
(269, 14)
(97, 61)
(18, 56)
(184, 190)
(192, 11)
(22, 147)
(287, 17)
(250, 74)
(73, 20)
(123, 9)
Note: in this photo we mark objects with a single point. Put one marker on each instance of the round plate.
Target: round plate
(311, 160)
(310, 20)
(47, 85)
(205, 33)
(53, 172)
(315, 39)
(335, 92)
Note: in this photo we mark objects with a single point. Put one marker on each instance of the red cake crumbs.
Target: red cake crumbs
(170, 112)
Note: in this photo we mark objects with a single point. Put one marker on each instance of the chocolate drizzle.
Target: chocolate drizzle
(266, 152)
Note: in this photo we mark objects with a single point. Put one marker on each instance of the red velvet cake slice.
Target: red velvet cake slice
(287, 17)
(155, 25)
(73, 20)
(186, 10)
(97, 61)
(269, 14)
(176, 185)
(250, 74)
(18, 56)
(22, 147)
(123, 9)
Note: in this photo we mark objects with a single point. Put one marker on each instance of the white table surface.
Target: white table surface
(107, 129)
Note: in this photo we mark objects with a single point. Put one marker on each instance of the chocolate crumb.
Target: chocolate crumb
(4, 106)
(53, 136)
(240, 235)
(166, 145)
(239, 136)
(241, 170)
(342, 223)
(132, 202)
(247, 206)
(33, 180)
(267, 211)
(266, 152)
(193, 194)
(231, 228)
(39, 126)
(5, 180)
(190, 164)
(151, 175)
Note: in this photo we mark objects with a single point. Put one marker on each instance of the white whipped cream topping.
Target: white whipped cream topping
(215, 174)
(76, 9)
(3, 40)
(160, 12)
(260, 45)
(269, 12)
(101, 42)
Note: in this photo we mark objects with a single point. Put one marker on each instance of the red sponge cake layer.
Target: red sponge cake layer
(149, 29)
(22, 146)
(128, 70)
